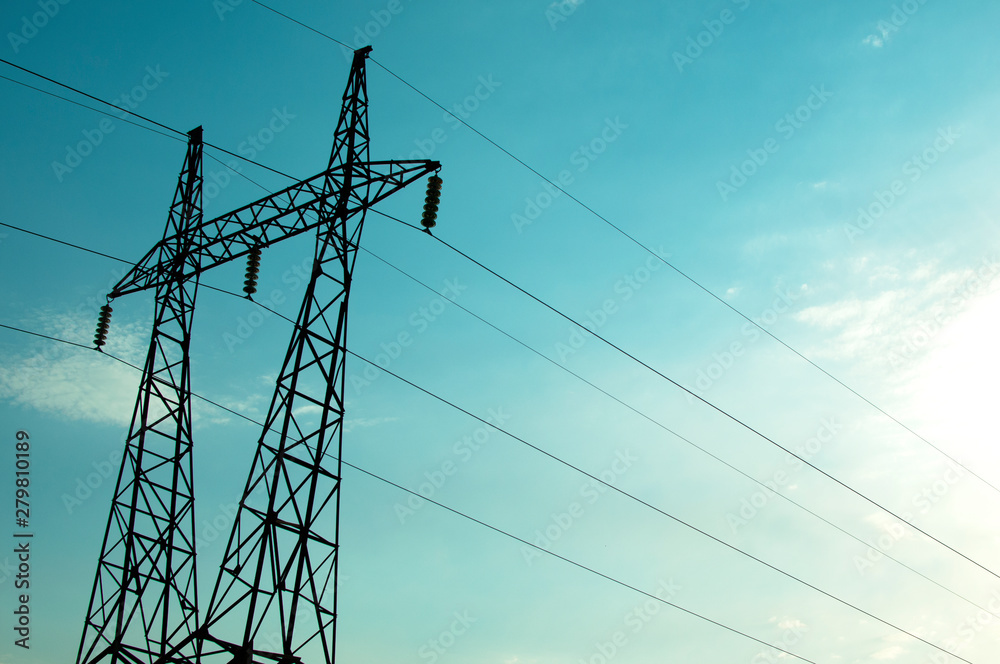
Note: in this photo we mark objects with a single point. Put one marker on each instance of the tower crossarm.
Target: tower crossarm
(287, 213)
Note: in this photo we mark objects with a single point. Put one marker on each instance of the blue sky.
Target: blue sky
(822, 168)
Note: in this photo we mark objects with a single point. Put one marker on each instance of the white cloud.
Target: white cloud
(889, 326)
(308, 409)
(74, 382)
(792, 623)
(365, 423)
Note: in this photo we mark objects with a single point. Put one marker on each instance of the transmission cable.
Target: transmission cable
(711, 405)
(132, 113)
(664, 427)
(91, 108)
(641, 501)
(100, 253)
(650, 251)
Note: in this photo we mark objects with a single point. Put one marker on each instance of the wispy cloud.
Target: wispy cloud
(73, 382)
(875, 41)
(900, 306)
(366, 423)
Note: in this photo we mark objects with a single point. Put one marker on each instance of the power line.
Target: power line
(95, 252)
(577, 564)
(653, 253)
(307, 27)
(91, 108)
(669, 430)
(691, 279)
(452, 509)
(155, 131)
(708, 403)
(132, 113)
(641, 501)
(68, 244)
(556, 311)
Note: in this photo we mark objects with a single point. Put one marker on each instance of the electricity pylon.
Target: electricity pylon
(275, 596)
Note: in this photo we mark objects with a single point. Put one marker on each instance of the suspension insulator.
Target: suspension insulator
(431, 202)
(103, 324)
(253, 269)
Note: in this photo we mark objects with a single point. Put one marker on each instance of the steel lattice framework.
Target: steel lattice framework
(275, 596)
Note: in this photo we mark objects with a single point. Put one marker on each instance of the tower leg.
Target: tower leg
(144, 596)
(276, 595)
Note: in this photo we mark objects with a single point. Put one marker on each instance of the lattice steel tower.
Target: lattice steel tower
(275, 596)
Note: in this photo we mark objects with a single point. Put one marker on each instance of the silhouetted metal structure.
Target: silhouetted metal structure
(275, 596)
